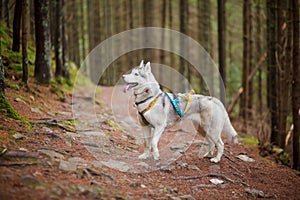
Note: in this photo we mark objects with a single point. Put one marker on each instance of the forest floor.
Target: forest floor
(47, 157)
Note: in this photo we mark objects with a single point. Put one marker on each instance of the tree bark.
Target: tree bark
(221, 47)
(17, 26)
(283, 69)
(65, 50)
(58, 38)
(258, 53)
(2, 85)
(296, 86)
(42, 71)
(184, 21)
(24, 40)
(272, 70)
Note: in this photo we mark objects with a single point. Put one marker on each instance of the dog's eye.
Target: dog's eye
(136, 74)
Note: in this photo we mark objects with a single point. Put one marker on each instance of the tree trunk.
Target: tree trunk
(283, 69)
(204, 37)
(244, 103)
(42, 71)
(17, 26)
(296, 86)
(6, 13)
(221, 46)
(258, 54)
(65, 50)
(24, 40)
(58, 38)
(272, 70)
(184, 21)
(2, 85)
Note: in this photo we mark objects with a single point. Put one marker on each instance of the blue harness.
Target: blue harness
(175, 103)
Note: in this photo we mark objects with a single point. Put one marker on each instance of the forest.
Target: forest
(254, 45)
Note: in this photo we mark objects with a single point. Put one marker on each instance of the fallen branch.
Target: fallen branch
(64, 127)
(18, 164)
(209, 175)
(204, 186)
(47, 119)
(20, 154)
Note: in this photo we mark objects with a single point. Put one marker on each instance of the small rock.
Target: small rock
(214, 168)
(115, 164)
(67, 166)
(32, 98)
(245, 158)
(36, 110)
(168, 168)
(255, 193)
(51, 154)
(77, 160)
(20, 100)
(181, 164)
(216, 181)
(187, 197)
(193, 167)
(30, 181)
(47, 129)
(177, 146)
(18, 136)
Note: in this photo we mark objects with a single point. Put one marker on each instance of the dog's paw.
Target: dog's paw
(145, 156)
(156, 158)
(215, 160)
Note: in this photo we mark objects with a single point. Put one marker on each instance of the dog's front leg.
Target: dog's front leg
(147, 138)
(157, 134)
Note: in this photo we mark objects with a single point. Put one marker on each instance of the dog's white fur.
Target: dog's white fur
(206, 112)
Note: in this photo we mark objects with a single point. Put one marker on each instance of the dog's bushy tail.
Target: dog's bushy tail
(229, 131)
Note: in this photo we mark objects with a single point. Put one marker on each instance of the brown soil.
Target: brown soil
(40, 176)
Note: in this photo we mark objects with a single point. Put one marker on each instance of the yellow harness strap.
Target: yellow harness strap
(142, 119)
(188, 99)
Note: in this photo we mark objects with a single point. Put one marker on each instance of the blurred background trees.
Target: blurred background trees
(255, 42)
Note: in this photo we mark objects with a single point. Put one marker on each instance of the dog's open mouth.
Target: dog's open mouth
(129, 86)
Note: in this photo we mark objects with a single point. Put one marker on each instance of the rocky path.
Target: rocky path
(93, 155)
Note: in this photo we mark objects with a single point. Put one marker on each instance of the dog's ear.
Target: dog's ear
(148, 67)
(142, 64)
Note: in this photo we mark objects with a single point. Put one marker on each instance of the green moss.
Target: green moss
(10, 112)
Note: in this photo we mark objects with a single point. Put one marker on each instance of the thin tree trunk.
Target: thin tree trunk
(6, 13)
(246, 64)
(2, 85)
(65, 51)
(58, 38)
(296, 86)
(17, 26)
(282, 87)
(221, 47)
(184, 21)
(24, 40)
(272, 70)
(258, 53)
(42, 70)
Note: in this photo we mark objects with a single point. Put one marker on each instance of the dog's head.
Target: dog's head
(140, 78)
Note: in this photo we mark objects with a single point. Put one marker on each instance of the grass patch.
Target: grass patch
(249, 140)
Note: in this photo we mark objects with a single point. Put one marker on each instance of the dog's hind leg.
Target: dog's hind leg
(211, 146)
(147, 137)
(220, 148)
(157, 134)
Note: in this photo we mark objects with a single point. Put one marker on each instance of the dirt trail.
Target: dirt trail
(96, 159)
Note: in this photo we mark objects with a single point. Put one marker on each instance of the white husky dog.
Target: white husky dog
(158, 111)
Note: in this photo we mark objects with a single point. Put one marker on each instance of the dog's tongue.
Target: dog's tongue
(126, 88)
